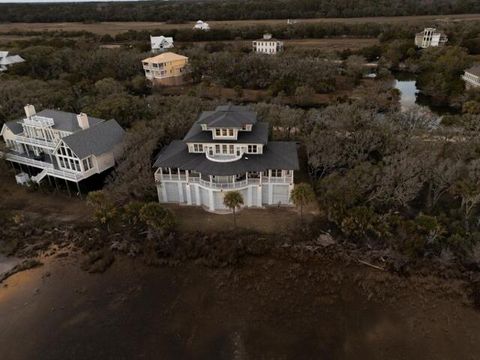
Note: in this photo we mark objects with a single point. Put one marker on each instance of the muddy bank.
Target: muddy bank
(268, 307)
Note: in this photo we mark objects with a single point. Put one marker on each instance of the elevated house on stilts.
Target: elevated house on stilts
(54, 145)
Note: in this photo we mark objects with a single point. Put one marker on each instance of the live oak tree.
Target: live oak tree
(233, 200)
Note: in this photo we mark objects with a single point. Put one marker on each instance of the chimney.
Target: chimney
(30, 111)
(82, 119)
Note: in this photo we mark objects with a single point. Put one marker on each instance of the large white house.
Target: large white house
(201, 25)
(57, 144)
(161, 43)
(7, 60)
(430, 37)
(472, 77)
(226, 149)
(267, 45)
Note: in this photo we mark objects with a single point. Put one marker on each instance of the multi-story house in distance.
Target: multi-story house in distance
(165, 69)
(161, 43)
(57, 144)
(472, 77)
(430, 37)
(267, 45)
(7, 60)
(226, 149)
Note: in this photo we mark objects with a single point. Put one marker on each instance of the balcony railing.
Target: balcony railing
(59, 173)
(224, 157)
(28, 161)
(37, 120)
(38, 142)
(224, 185)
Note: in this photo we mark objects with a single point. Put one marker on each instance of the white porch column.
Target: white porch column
(197, 195)
(180, 192)
(159, 193)
(210, 197)
(164, 191)
(259, 195)
(189, 194)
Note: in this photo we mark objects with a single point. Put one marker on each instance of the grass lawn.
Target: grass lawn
(269, 220)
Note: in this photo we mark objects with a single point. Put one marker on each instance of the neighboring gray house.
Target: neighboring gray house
(7, 60)
(472, 77)
(161, 43)
(226, 149)
(62, 145)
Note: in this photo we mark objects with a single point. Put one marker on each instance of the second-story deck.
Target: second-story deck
(212, 182)
(50, 168)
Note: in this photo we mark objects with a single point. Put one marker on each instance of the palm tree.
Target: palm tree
(301, 195)
(232, 200)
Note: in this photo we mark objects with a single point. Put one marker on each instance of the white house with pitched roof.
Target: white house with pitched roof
(63, 145)
(201, 25)
(226, 149)
(161, 43)
(8, 60)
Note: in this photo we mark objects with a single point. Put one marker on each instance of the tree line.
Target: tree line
(178, 11)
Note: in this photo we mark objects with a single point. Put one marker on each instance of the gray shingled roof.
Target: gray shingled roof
(228, 116)
(258, 135)
(14, 126)
(474, 70)
(277, 155)
(95, 140)
(66, 121)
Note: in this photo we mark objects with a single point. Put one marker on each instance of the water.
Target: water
(411, 95)
(7, 263)
(408, 93)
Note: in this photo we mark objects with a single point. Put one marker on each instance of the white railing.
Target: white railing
(278, 180)
(216, 185)
(32, 141)
(63, 174)
(160, 177)
(223, 157)
(27, 161)
(68, 175)
(37, 120)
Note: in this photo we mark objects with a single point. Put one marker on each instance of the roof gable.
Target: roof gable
(95, 140)
(156, 41)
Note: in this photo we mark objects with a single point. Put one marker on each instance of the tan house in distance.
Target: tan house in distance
(165, 69)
